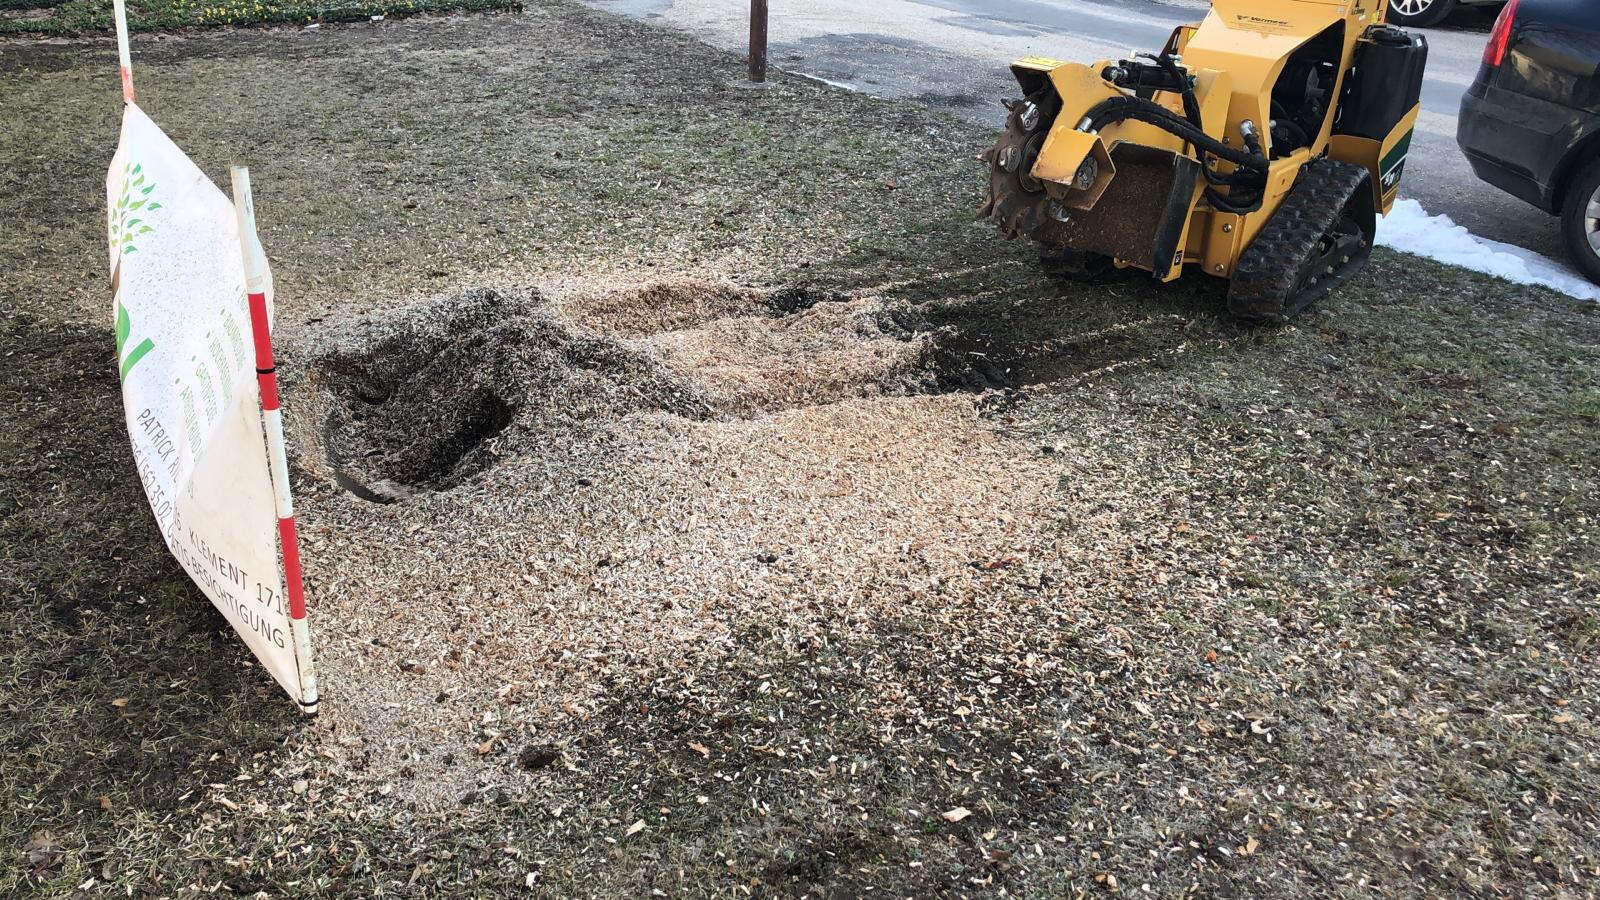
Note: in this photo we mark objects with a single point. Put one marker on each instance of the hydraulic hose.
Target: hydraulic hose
(1117, 109)
(1191, 104)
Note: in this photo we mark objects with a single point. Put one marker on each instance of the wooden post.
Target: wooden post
(758, 40)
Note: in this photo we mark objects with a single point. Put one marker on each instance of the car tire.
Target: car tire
(1580, 220)
(1417, 13)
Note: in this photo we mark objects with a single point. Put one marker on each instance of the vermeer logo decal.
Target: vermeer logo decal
(1260, 23)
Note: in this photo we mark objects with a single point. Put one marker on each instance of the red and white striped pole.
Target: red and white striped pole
(267, 378)
(119, 11)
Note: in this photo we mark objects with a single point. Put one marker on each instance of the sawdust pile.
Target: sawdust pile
(519, 501)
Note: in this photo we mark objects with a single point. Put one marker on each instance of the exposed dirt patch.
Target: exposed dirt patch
(631, 309)
(615, 475)
(429, 396)
(973, 357)
(752, 352)
(422, 399)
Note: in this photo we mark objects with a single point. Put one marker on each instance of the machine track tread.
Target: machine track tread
(1326, 221)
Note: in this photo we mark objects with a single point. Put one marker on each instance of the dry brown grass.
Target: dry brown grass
(771, 511)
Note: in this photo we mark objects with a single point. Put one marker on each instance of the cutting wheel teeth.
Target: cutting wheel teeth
(1017, 213)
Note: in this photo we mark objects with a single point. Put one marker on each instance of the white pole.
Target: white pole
(119, 9)
(255, 277)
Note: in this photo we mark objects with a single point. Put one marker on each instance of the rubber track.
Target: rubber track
(1278, 260)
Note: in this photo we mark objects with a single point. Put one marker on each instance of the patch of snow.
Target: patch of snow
(829, 82)
(1409, 228)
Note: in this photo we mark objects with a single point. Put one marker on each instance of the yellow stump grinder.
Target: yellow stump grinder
(1260, 145)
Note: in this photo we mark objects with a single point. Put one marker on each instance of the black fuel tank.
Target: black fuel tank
(1384, 83)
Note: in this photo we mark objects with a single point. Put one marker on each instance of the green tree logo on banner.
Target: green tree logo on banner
(125, 224)
(124, 329)
(128, 223)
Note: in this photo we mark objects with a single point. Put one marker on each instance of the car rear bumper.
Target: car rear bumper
(1509, 141)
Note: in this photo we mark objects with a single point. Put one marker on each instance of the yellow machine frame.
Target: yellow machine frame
(1236, 56)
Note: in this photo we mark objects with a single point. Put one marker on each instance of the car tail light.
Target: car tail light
(1495, 51)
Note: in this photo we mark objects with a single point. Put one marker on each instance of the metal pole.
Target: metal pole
(758, 40)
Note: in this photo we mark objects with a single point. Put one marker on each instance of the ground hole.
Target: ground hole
(436, 394)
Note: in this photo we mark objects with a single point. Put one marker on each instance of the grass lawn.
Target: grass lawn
(67, 17)
(1299, 611)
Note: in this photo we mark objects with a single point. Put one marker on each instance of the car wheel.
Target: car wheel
(1419, 12)
(1580, 220)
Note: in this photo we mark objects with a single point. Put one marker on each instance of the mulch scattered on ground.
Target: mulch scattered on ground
(697, 500)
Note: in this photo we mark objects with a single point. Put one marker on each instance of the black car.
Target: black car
(1530, 122)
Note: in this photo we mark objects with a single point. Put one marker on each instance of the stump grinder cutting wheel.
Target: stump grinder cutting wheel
(1260, 145)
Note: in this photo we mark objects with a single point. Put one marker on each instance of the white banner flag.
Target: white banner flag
(189, 387)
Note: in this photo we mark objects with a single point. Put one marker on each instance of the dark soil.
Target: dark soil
(423, 398)
(121, 694)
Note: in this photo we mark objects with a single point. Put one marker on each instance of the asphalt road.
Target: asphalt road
(954, 53)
